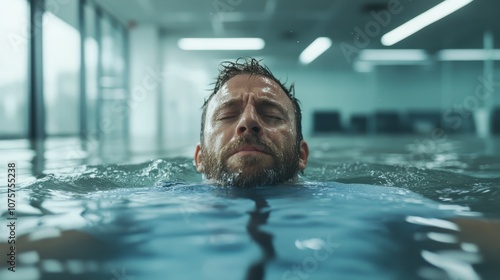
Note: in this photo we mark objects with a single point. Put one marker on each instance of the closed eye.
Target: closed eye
(274, 117)
(227, 117)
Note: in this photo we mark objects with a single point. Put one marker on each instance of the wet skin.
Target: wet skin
(250, 107)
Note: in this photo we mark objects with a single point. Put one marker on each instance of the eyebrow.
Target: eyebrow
(227, 104)
(261, 102)
(274, 104)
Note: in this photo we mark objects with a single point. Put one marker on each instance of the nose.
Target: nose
(249, 122)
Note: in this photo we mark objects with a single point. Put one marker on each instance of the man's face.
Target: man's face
(250, 135)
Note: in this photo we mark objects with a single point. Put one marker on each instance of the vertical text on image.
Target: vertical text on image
(11, 215)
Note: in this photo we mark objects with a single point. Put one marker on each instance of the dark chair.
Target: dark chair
(358, 124)
(388, 122)
(423, 122)
(326, 122)
(495, 121)
(459, 123)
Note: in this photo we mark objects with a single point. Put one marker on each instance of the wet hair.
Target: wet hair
(252, 66)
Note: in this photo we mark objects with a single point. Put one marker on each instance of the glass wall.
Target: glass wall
(84, 83)
(113, 98)
(61, 65)
(91, 77)
(14, 52)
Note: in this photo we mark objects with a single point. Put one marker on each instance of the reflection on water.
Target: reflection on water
(89, 218)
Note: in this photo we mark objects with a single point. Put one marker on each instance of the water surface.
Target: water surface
(375, 208)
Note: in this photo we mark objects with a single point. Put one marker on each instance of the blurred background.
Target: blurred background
(87, 80)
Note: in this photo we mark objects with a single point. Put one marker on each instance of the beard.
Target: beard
(251, 170)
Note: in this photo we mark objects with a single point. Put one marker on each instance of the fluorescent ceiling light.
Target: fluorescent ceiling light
(393, 55)
(434, 14)
(197, 44)
(468, 55)
(315, 49)
(368, 59)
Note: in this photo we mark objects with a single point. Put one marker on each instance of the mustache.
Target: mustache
(246, 141)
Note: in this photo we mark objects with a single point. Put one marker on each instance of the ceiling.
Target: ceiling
(288, 26)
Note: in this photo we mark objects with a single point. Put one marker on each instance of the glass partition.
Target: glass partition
(14, 83)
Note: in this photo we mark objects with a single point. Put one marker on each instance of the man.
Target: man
(251, 132)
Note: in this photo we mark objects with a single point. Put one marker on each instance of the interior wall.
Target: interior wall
(184, 90)
(145, 84)
(403, 88)
(438, 86)
(347, 92)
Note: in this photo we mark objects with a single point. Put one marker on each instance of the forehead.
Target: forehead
(259, 87)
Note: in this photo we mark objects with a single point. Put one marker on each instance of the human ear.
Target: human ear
(303, 155)
(197, 158)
